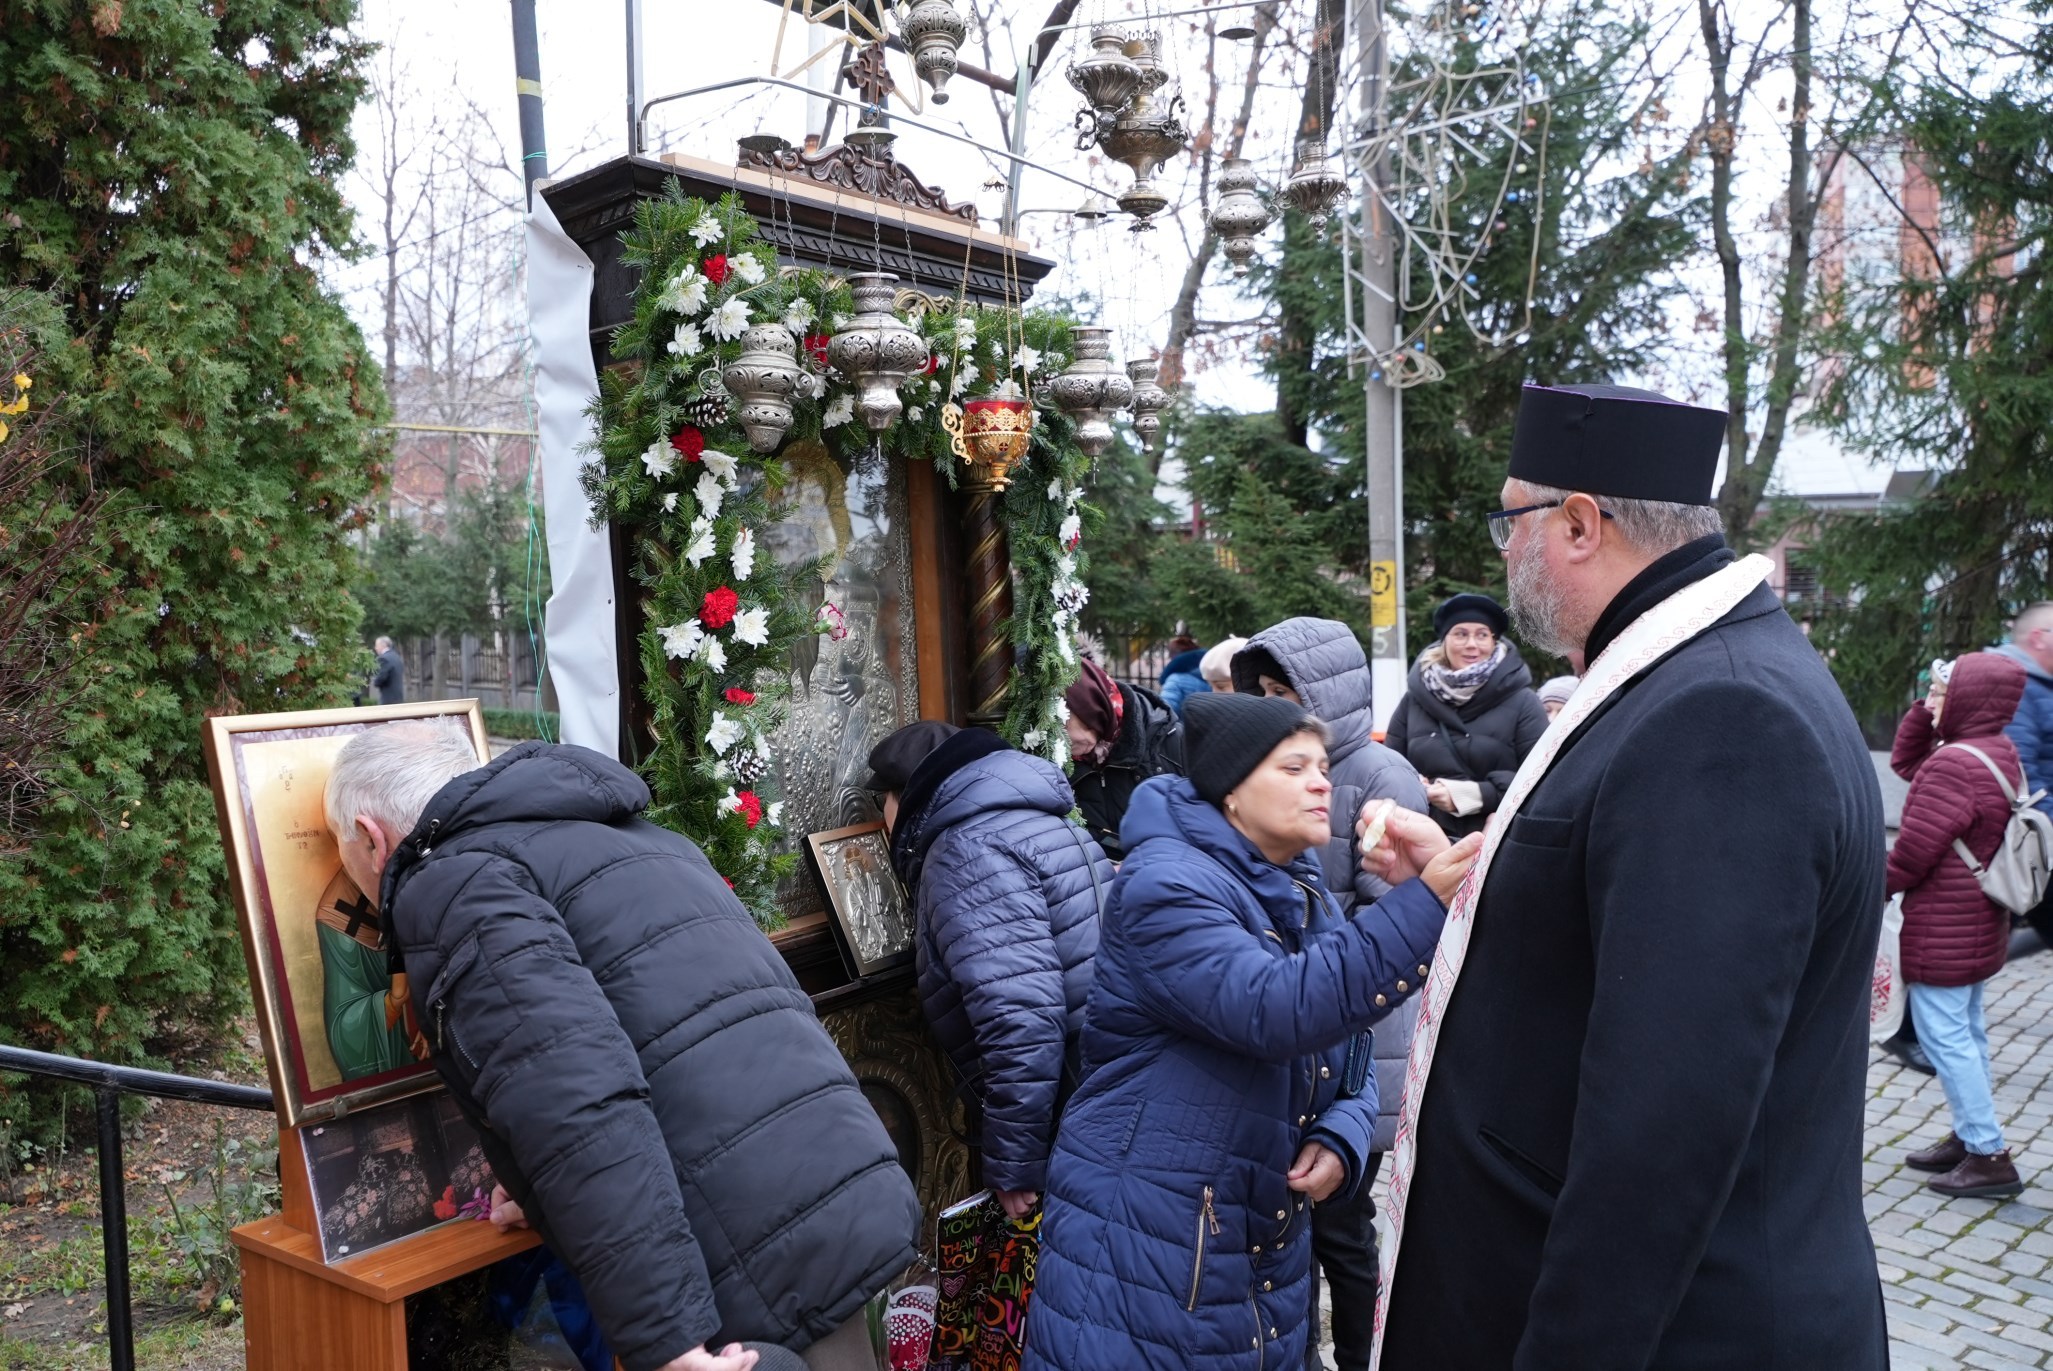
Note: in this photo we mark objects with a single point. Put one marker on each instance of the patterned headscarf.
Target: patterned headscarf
(1094, 701)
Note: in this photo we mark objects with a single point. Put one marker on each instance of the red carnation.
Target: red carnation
(689, 443)
(933, 364)
(730, 884)
(718, 610)
(751, 807)
(445, 1208)
(737, 696)
(816, 344)
(716, 268)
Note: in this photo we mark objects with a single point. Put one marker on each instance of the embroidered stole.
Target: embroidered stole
(1652, 636)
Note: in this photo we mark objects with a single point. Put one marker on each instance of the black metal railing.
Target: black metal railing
(109, 1084)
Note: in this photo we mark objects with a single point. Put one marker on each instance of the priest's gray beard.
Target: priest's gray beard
(1539, 604)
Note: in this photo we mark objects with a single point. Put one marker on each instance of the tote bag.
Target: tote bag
(1885, 1002)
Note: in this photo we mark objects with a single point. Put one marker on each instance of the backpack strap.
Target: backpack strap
(2009, 793)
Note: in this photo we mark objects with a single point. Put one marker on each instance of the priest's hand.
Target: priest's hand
(1318, 1173)
(1405, 842)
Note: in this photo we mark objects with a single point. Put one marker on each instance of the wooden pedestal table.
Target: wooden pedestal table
(302, 1314)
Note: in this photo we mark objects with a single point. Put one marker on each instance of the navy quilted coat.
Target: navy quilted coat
(1008, 923)
(2031, 728)
(1226, 992)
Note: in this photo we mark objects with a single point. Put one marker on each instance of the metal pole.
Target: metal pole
(527, 83)
(1009, 223)
(114, 1231)
(634, 78)
(1384, 426)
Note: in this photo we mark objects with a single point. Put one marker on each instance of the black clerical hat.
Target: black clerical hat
(1618, 441)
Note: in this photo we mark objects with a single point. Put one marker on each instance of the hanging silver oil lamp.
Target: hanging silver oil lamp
(1107, 78)
(1315, 186)
(1147, 132)
(1238, 215)
(762, 381)
(1090, 388)
(1148, 398)
(876, 352)
(933, 32)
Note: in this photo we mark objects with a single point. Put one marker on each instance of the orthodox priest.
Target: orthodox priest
(1631, 1134)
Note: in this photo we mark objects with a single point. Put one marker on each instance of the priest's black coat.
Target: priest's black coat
(1641, 1145)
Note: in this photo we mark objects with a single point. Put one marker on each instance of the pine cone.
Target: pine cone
(750, 766)
(707, 411)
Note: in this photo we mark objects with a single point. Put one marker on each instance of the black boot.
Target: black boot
(1907, 1050)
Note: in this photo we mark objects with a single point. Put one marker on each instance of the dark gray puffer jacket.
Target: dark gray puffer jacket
(1008, 927)
(650, 1083)
(1325, 665)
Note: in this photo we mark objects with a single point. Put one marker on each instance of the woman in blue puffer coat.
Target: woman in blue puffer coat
(1227, 1082)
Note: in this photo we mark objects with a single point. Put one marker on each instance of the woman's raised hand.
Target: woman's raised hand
(1398, 844)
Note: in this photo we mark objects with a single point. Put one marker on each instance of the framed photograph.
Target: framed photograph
(872, 919)
(337, 1026)
(392, 1171)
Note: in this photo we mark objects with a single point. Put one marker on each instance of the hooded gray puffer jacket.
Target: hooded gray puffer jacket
(648, 1080)
(1325, 665)
(1007, 890)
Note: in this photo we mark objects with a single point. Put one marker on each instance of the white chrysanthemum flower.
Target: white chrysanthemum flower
(721, 465)
(775, 814)
(710, 494)
(730, 803)
(840, 412)
(1033, 738)
(713, 654)
(960, 384)
(747, 268)
(744, 554)
(912, 415)
(730, 321)
(965, 331)
(682, 640)
(1072, 528)
(797, 315)
(660, 459)
(686, 342)
(707, 230)
(686, 293)
(1062, 709)
(700, 545)
(1065, 566)
(1055, 489)
(752, 626)
(670, 502)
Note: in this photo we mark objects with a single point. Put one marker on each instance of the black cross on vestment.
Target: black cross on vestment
(360, 911)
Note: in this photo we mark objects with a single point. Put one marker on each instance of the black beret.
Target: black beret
(1470, 609)
(1617, 440)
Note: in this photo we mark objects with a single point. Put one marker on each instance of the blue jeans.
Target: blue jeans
(1950, 1027)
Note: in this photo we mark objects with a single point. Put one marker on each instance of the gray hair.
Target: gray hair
(1654, 526)
(2030, 619)
(391, 771)
(381, 643)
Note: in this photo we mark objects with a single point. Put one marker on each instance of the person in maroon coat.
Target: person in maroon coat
(1954, 936)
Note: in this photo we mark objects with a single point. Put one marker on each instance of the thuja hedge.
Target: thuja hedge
(168, 173)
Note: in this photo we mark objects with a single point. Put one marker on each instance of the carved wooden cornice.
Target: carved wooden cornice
(875, 174)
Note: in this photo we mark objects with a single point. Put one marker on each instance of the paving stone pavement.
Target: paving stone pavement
(1968, 1281)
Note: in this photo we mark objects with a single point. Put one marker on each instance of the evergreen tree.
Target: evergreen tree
(1944, 366)
(169, 172)
(1592, 252)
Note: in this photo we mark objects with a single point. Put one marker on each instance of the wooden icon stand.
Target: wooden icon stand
(302, 1314)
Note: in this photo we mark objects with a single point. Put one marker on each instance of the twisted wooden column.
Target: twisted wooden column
(989, 573)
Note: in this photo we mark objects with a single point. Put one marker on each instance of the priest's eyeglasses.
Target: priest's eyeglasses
(1500, 522)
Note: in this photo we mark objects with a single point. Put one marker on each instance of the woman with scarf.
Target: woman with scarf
(1119, 735)
(1469, 714)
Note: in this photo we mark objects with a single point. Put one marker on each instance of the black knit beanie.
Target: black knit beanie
(1225, 737)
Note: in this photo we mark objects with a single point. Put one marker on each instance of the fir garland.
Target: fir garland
(671, 463)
